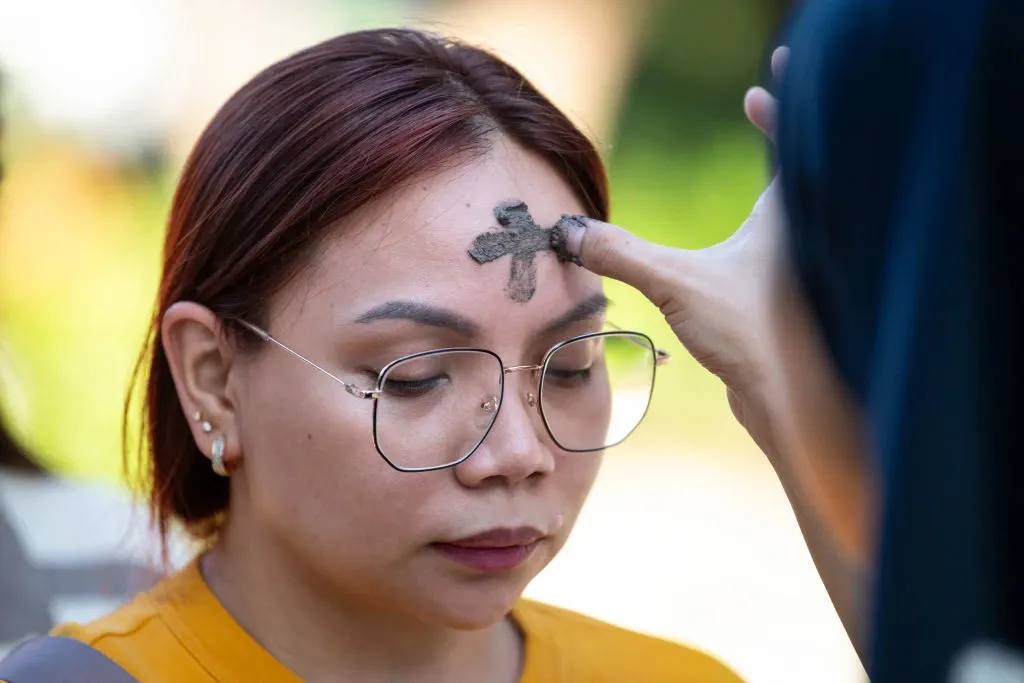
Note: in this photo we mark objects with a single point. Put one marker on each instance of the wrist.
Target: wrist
(750, 402)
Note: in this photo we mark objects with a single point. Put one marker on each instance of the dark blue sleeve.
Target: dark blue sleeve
(901, 169)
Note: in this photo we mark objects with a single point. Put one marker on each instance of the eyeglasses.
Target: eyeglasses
(433, 409)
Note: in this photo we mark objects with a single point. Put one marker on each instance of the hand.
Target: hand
(758, 104)
(723, 304)
(714, 298)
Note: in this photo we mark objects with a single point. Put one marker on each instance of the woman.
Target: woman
(374, 510)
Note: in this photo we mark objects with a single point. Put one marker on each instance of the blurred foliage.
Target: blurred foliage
(698, 60)
(74, 304)
(685, 170)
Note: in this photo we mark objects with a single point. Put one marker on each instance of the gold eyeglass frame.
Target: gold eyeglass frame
(661, 357)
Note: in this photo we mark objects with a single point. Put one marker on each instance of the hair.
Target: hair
(305, 143)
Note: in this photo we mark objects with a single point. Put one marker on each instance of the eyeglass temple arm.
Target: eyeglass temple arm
(350, 388)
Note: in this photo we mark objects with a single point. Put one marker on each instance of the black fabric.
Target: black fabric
(1002, 243)
(53, 659)
(901, 151)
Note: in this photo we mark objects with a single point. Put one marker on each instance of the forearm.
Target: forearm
(844, 575)
(845, 578)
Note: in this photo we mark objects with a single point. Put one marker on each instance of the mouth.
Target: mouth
(497, 550)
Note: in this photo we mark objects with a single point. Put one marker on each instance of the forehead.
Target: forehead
(414, 244)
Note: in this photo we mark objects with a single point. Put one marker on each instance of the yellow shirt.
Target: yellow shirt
(178, 632)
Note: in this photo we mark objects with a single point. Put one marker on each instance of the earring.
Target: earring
(217, 456)
(205, 426)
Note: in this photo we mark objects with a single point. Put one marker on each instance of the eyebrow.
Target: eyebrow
(421, 314)
(586, 309)
(433, 316)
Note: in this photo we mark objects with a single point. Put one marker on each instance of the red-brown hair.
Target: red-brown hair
(302, 145)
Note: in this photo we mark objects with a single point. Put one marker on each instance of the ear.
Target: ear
(201, 360)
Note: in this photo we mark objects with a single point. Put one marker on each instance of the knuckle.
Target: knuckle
(661, 281)
(598, 249)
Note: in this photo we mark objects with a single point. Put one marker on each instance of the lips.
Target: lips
(496, 550)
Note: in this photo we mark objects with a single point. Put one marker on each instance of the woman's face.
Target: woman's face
(398, 280)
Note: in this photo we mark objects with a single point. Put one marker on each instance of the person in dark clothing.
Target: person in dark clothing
(901, 152)
(876, 358)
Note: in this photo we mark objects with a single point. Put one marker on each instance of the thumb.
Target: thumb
(614, 252)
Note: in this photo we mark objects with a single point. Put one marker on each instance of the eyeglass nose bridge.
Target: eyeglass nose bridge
(522, 368)
(531, 398)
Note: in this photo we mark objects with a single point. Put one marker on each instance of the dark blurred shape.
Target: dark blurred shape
(901, 152)
(24, 603)
(24, 600)
(12, 454)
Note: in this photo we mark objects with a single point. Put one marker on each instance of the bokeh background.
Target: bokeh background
(688, 534)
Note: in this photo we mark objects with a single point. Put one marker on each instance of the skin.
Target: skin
(737, 310)
(314, 542)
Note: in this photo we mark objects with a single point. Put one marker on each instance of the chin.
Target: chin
(455, 598)
(472, 605)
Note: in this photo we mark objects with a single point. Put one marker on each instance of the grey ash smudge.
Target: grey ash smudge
(521, 238)
(558, 237)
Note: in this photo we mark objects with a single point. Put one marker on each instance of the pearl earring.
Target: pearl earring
(217, 456)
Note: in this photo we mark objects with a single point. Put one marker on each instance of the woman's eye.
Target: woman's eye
(568, 377)
(398, 387)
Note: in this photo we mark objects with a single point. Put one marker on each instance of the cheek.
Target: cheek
(313, 476)
(579, 418)
(573, 477)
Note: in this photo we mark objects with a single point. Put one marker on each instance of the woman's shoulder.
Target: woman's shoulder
(139, 637)
(142, 616)
(133, 636)
(566, 646)
(135, 619)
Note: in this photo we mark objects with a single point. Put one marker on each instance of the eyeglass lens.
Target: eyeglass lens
(435, 409)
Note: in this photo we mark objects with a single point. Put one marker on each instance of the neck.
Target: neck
(297, 617)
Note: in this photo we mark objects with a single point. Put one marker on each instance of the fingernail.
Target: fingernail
(779, 59)
(567, 238)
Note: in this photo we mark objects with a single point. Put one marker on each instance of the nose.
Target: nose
(516, 448)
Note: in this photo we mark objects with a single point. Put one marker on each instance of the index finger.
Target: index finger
(758, 104)
(612, 251)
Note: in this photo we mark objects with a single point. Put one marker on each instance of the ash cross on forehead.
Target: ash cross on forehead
(521, 238)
